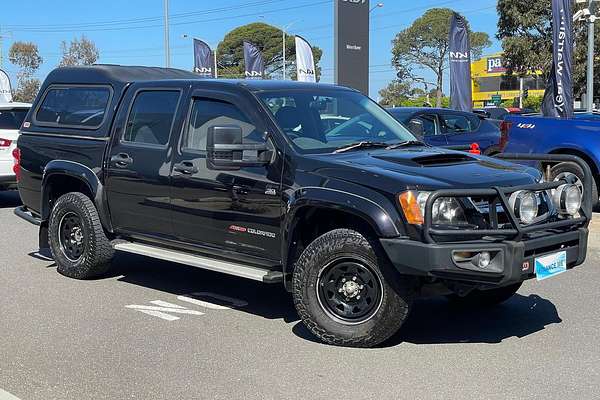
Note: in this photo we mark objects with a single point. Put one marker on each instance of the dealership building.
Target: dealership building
(490, 82)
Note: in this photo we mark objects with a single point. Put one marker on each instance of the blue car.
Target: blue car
(543, 135)
(443, 127)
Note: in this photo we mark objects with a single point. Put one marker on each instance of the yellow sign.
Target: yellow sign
(488, 78)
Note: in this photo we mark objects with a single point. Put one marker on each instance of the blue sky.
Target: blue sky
(123, 41)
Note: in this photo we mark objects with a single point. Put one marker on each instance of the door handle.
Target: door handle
(121, 160)
(237, 189)
(185, 167)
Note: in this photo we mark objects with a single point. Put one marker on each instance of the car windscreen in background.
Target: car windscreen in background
(12, 119)
(74, 106)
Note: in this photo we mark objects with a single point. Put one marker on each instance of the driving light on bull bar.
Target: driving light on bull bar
(567, 199)
(525, 205)
(445, 210)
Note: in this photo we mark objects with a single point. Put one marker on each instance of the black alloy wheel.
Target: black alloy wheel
(72, 236)
(349, 291)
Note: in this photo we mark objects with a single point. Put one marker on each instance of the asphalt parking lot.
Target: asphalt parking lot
(156, 330)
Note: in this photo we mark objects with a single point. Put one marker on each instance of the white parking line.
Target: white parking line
(4, 395)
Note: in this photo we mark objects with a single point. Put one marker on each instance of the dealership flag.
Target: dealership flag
(460, 64)
(305, 63)
(255, 66)
(558, 98)
(5, 89)
(203, 59)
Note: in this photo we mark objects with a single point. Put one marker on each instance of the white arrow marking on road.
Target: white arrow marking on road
(159, 314)
(235, 302)
(4, 395)
(165, 304)
(163, 310)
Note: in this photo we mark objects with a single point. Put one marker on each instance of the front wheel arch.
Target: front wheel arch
(311, 222)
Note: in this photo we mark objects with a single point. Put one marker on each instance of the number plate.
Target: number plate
(550, 265)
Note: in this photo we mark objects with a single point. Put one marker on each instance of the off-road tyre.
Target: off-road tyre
(395, 299)
(485, 298)
(568, 167)
(96, 250)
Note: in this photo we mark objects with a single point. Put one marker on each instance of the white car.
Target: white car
(11, 118)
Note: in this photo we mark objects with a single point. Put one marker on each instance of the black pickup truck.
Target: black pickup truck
(309, 185)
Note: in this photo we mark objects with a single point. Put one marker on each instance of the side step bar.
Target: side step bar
(226, 267)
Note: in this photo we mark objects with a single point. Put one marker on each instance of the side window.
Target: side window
(456, 123)
(212, 112)
(474, 122)
(151, 117)
(429, 125)
(76, 106)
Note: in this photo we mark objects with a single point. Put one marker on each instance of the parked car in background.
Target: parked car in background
(543, 135)
(444, 127)
(11, 118)
(501, 112)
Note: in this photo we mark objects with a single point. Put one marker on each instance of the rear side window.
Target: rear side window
(456, 123)
(12, 119)
(151, 117)
(429, 125)
(74, 106)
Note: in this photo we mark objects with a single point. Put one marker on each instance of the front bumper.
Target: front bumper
(513, 260)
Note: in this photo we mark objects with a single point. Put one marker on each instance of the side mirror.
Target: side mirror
(415, 126)
(226, 149)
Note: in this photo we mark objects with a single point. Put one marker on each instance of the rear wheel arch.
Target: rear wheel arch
(57, 184)
(61, 177)
(584, 156)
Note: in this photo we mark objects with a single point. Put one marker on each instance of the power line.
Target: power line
(120, 28)
(141, 20)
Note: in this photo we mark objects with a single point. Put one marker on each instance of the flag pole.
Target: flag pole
(215, 56)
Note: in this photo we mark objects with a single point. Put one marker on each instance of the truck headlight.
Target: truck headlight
(567, 199)
(525, 205)
(445, 210)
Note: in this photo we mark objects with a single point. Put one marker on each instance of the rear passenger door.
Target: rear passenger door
(139, 161)
(459, 129)
(432, 134)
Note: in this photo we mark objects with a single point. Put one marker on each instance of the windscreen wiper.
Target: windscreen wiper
(405, 144)
(361, 145)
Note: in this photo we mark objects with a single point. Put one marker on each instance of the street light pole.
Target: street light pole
(590, 57)
(166, 33)
(283, 31)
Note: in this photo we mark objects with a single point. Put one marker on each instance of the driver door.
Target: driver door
(237, 209)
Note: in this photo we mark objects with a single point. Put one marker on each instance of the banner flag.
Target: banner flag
(203, 59)
(255, 66)
(5, 88)
(558, 98)
(460, 64)
(305, 63)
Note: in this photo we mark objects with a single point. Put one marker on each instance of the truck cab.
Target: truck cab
(356, 217)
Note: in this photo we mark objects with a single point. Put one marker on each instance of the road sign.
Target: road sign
(496, 99)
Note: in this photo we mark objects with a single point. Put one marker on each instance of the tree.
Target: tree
(396, 93)
(230, 52)
(425, 45)
(26, 56)
(525, 30)
(79, 52)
